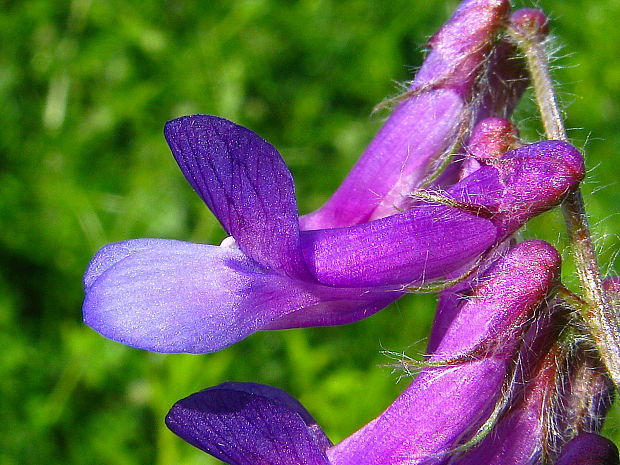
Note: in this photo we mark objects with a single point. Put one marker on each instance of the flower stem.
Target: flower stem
(599, 313)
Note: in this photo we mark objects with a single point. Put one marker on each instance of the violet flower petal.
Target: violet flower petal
(246, 184)
(172, 296)
(450, 300)
(462, 395)
(397, 159)
(589, 449)
(249, 424)
(519, 437)
(411, 248)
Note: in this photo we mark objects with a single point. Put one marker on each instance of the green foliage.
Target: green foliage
(85, 88)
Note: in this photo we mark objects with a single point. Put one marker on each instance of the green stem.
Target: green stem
(599, 313)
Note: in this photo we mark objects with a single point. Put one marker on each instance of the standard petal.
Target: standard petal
(245, 183)
(249, 424)
(172, 296)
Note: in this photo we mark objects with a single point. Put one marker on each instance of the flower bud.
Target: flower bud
(589, 449)
(425, 127)
(508, 76)
(530, 22)
(491, 139)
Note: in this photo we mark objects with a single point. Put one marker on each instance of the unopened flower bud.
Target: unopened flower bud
(589, 449)
(508, 75)
(491, 139)
(485, 334)
(435, 115)
(531, 23)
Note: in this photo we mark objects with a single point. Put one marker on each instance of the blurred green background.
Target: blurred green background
(85, 87)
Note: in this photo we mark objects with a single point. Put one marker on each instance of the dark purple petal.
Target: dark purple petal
(245, 183)
(172, 296)
(589, 449)
(249, 424)
(444, 405)
(412, 248)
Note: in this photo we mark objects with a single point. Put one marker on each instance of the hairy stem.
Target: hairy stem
(599, 313)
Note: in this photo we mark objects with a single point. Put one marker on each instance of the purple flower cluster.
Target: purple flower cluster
(436, 197)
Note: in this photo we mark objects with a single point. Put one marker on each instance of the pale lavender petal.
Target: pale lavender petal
(490, 325)
(245, 183)
(589, 449)
(171, 296)
(362, 304)
(249, 424)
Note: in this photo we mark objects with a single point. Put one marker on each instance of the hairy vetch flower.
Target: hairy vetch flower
(246, 424)
(171, 296)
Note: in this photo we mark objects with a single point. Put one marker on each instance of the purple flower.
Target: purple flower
(171, 296)
(443, 407)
